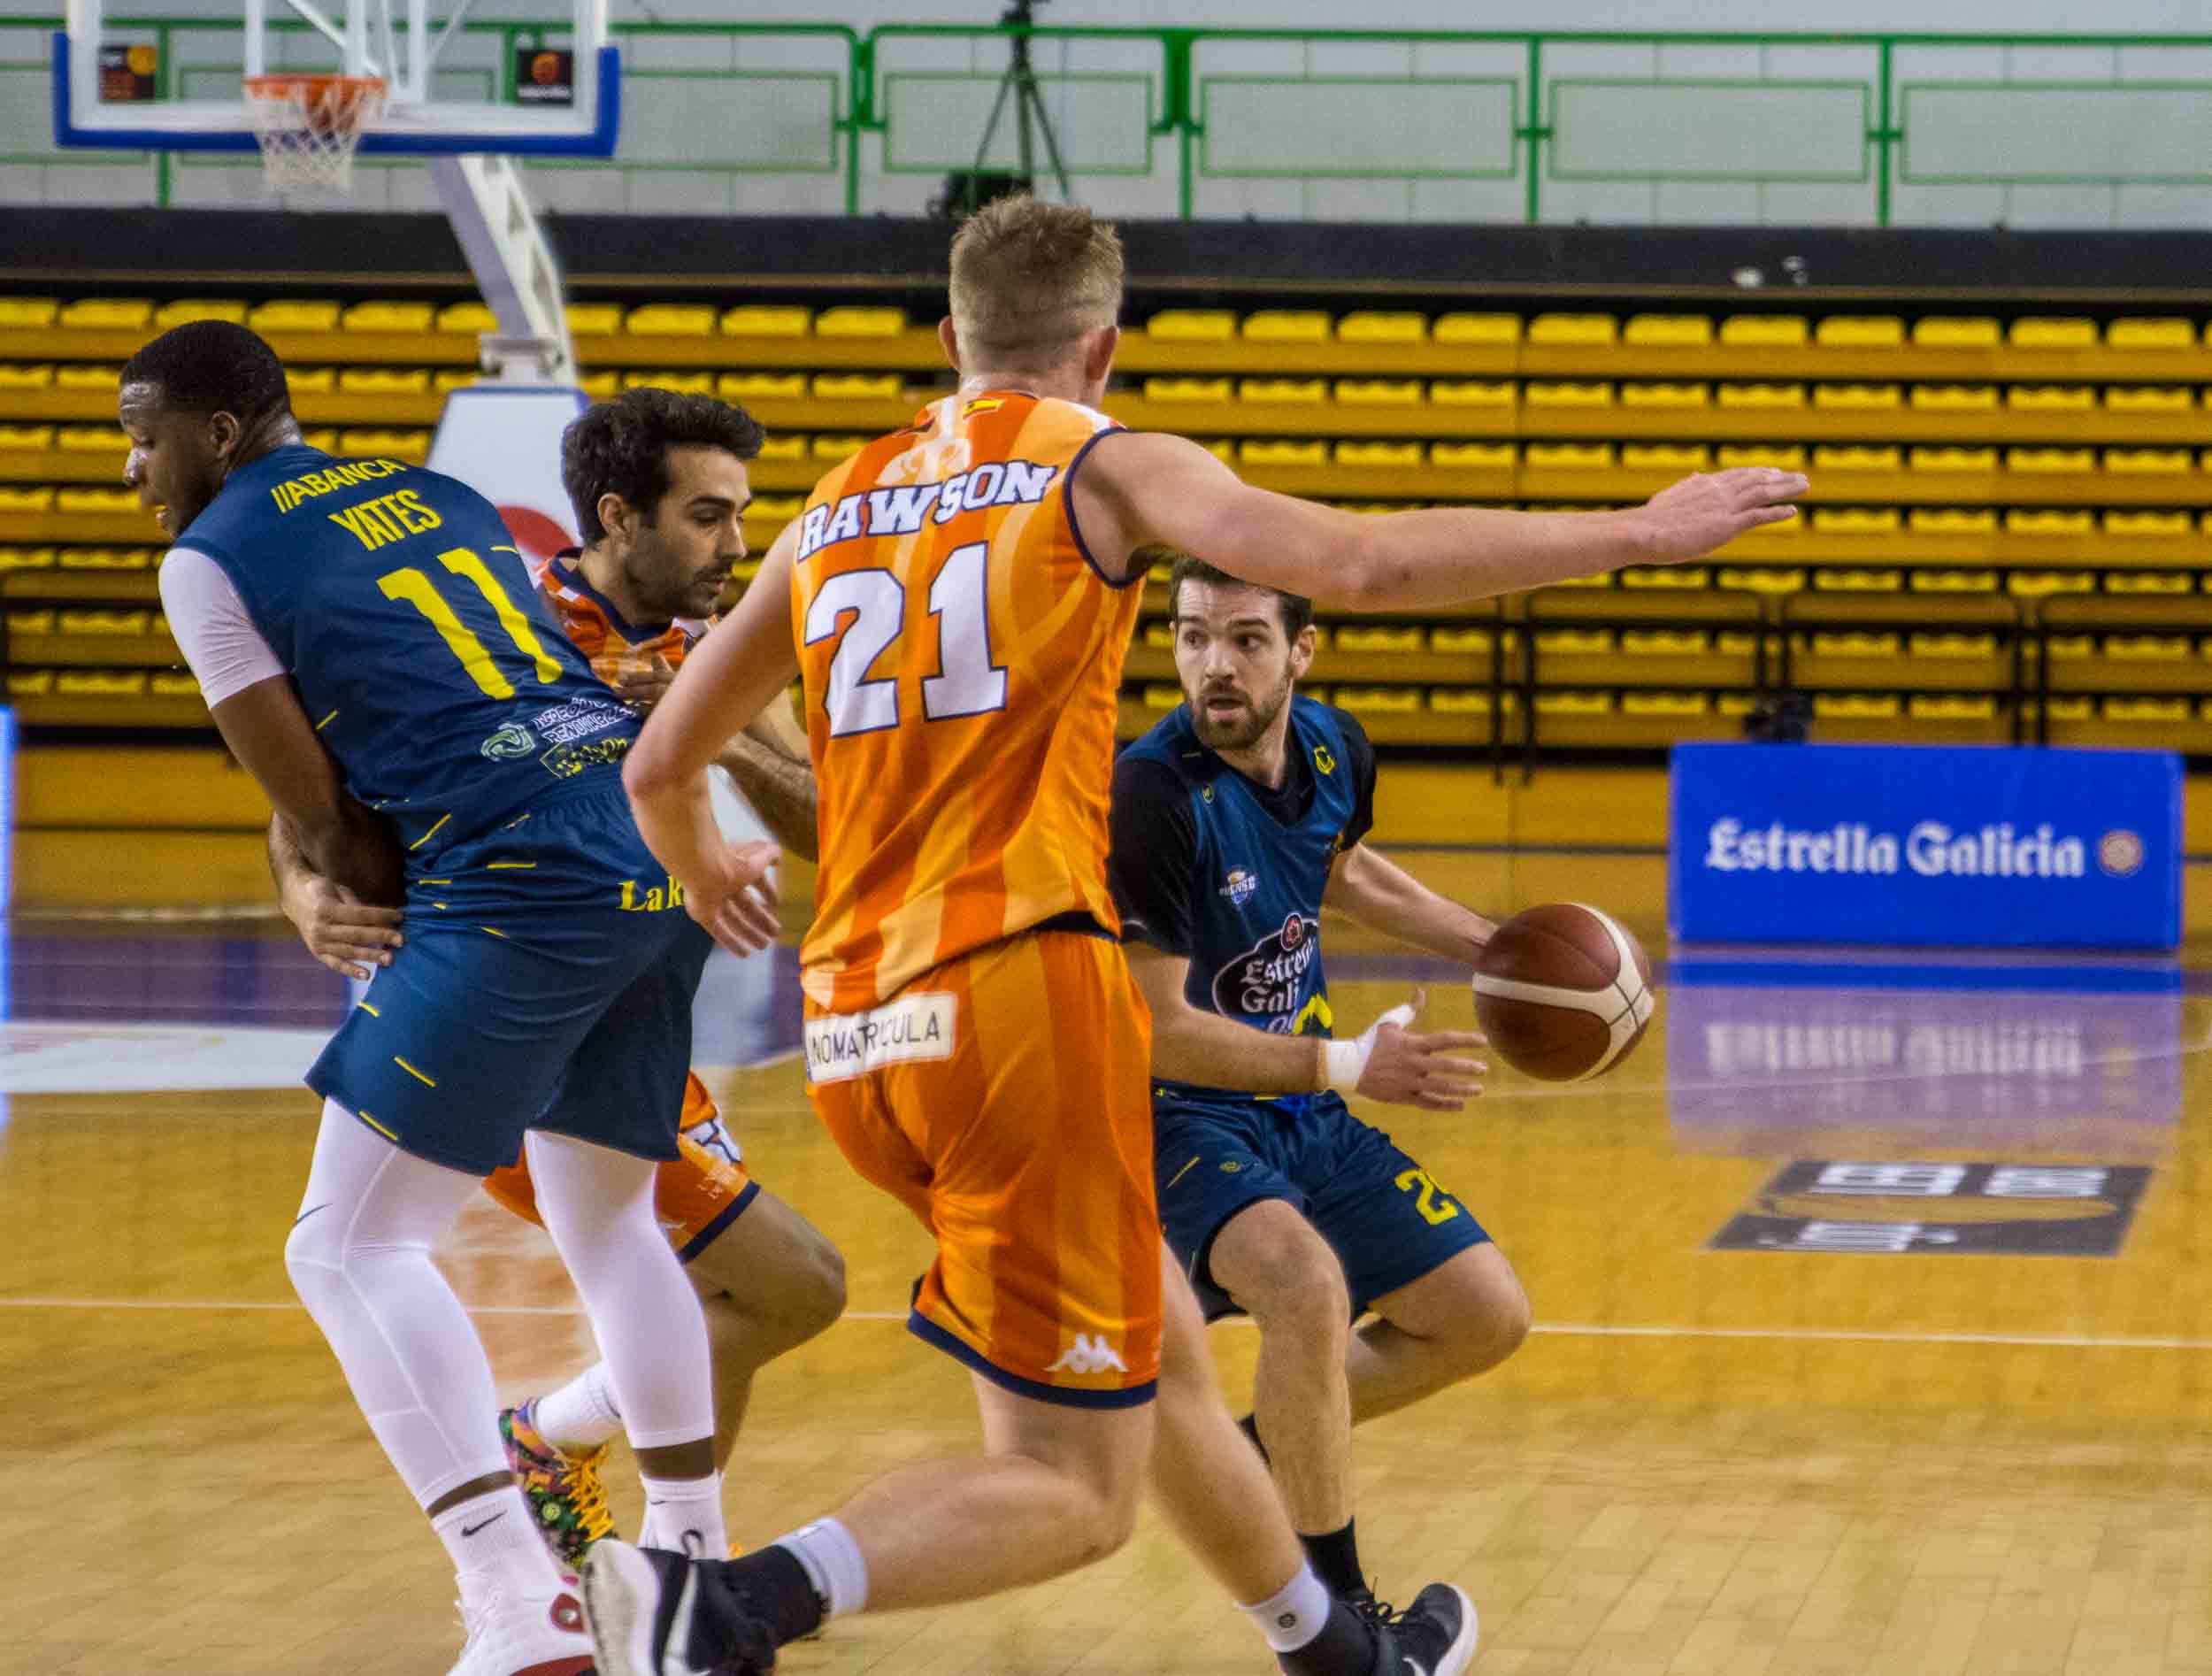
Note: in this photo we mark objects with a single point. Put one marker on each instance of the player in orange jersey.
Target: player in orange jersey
(958, 598)
(659, 484)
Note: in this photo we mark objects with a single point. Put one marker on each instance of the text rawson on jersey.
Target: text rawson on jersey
(902, 510)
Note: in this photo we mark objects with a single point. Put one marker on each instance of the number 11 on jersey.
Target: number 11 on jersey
(868, 607)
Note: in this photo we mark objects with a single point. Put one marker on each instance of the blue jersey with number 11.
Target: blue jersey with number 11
(431, 667)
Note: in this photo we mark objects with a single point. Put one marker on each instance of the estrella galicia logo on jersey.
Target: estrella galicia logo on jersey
(579, 719)
(1266, 985)
(1324, 759)
(1239, 885)
(565, 762)
(511, 740)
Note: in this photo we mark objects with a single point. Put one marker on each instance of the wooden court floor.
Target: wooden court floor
(1728, 1462)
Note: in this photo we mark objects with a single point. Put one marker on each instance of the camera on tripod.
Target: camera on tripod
(968, 190)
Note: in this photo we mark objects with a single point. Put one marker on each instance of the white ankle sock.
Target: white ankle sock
(684, 1515)
(833, 1564)
(581, 1415)
(1294, 1615)
(495, 1547)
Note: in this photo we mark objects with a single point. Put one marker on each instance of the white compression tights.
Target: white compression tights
(360, 1256)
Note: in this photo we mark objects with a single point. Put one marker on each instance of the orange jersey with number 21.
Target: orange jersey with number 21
(962, 658)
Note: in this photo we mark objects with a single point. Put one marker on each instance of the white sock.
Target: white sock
(1295, 1614)
(684, 1515)
(495, 1547)
(581, 1415)
(833, 1564)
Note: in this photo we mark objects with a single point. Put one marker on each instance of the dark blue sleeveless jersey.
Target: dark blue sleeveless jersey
(428, 663)
(1210, 865)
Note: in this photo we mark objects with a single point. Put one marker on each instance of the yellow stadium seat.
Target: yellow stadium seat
(294, 314)
(1955, 398)
(1681, 578)
(1668, 331)
(26, 438)
(2156, 582)
(1955, 332)
(1382, 326)
(412, 446)
(766, 320)
(2051, 398)
(1575, 642)
(2050, 332)
(1762, 396)
(1954, 459)
(112, 558)
(1188, 391)
(2050, 461)
(39, 377)
(1544, 393)
(1379, 454)
(859, 320)
(2149, 711)
(1378, 392)
(1281, 452)
(1358, 639)
(834, 448)
(2149, 398)
(1789, 455)
(1857, 458)
(1860, 332)
(1954, 582)
(466, 319)
(776, 508)
(1857, 521)
(312, 381)
(1465, 330)
(761, 386)
(601, 386)
(1662, 642)
(1574, 703)
(1297, 392)
(165, 685)
(1473, 393)
(1384, 701)
(1763, 331)
(2025, 520)
(1457, 641)
(100, 501)
(1953, 645)
(388, 316)
(2148, 649)
(1857, 706)
(107, 314)
(1467, 701)
(1953, 520)
(30, 683)
(1287, 325)
(2129, 524)
(2161, 333)
(670, 378)
(1666, 396)
(1666, 457)
(1570, 456)
(30, 622)
(381, 381)
(1578, 330)
(1192, 325)
(186, 310)
(670, 319)
(595, 319)
(1857, 643)
(325, 438)
(1858, 398)
(1951, 707)
(1222, 449)
(2147, 462)
(1762, 581)
(858, 387)
(101, 622)
(445, 380)
(91, 439)
(1472, 457)
(2060, 708)
(100, 683)
(28, 314)
(1679, 706)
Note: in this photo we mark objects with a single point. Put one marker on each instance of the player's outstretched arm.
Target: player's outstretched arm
(730, 676)
(1386, 1062)
(1138, 490)
(1369, 886)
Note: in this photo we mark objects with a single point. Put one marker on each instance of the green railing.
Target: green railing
(1490, 115)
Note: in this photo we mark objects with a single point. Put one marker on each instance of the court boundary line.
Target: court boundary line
(1550, 1329)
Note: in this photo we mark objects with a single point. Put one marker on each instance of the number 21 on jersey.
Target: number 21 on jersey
(868, 607)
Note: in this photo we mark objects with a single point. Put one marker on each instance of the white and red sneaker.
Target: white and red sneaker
(528, 1635)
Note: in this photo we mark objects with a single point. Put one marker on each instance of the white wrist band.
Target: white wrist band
(1342, 1063)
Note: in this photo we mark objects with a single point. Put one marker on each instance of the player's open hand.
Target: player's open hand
(349, 935)
(1708, 509)
(739, 905)
(1430, 1070)
(642, 689)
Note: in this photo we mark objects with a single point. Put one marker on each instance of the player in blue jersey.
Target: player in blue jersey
(1235, 820)
(372, 650)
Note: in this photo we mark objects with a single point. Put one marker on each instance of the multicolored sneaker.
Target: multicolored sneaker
(567, 1494)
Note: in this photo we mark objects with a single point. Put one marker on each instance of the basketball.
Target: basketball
(1563, 991)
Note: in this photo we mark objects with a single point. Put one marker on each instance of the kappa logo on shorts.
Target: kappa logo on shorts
(850, 1044)
(1089, 1354)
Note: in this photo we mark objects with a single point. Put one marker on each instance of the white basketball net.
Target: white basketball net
(309, 127)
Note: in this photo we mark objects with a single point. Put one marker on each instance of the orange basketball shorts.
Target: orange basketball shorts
(697, 1194)
(1005, 1098)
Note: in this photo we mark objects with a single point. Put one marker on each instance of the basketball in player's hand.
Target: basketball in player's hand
(1563, 991)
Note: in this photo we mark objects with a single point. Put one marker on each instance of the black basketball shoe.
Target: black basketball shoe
(1435, 1636)
(651, 1617)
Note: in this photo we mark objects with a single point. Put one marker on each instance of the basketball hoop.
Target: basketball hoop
(308, 126)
